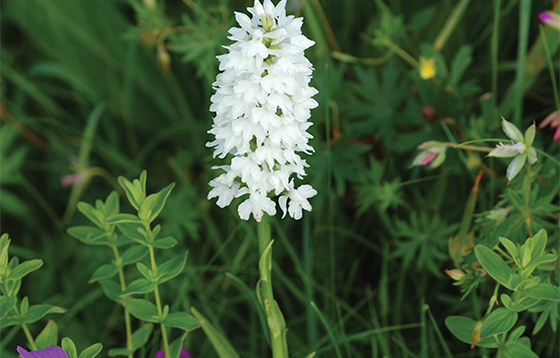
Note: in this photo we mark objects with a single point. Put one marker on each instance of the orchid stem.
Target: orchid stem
(158, 305)
(274, 317)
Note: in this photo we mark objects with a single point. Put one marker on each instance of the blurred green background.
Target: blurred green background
(103, 88)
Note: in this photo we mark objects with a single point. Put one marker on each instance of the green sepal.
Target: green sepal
(461, 327)
(23, 269)
(171, 268)
(70, 348)
(499, 321)
(140, 285)
(6, 305)
(135, 191)
(133, 254)
(48, 336)
(219, 342)
(89, 235)
(104, 272)
(493, 264)
(142, 309)
(181, 320)
(154, 203)
(91, 351)
(164, 243)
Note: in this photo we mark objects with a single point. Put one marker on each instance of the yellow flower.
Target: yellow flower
(427, 68)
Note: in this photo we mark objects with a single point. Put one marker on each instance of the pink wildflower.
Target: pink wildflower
(184, 354)
(553, 121)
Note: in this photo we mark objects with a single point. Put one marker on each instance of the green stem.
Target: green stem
(126, 313)
(277, 334)
(27, 333)
(527, 198)
(451, 24)
(158, 305)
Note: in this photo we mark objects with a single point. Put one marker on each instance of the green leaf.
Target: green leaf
(136, 191)
(493, 264)
(171, 268)
(103, 272)
(123, 218)
(539, 243)
(88, 235)
(141, 309)
(37, 312)
(218, 341)
(141, 335)
(181, 320)
(164, 243)
(140, 285)
(48, 336)
(153, 204)
(91, 351)
(145, 271)
(112, 204)
(93, 215)
(176, 345)
(461, 61)
(23, 269)
(511, 248)
(543, 292)
(133, 254)
(6, 305)
(517, 350)
(130, 230)
(499, 321)
(516, 333)
(70, 348)
(111, 289)
(520, 303)
(461, 328)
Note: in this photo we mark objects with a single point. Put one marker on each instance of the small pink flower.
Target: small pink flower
(550, 19)
(552, 120)
(71, 179)
(430, 152)
(184, 354)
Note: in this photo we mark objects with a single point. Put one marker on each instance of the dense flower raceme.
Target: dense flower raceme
(262, 104)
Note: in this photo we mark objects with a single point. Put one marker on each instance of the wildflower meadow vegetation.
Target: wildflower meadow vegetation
(294, 178)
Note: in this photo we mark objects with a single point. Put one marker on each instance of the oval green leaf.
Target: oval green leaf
(48, 336)
(103, 272)
(140, 285)
(91, 351)
(499, 321)
(23, 269)
(181, 320)
(142, 309)
(461, 328)
(493, 264)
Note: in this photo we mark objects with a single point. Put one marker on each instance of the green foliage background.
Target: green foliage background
(108, 87)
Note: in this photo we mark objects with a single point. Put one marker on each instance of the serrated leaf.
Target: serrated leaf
(499, 321)
(23, 269)
(461, 328)
(48, 336)
(181, 320)
(88, 235)
(493, 264)
(142, 309)
(133, 254)
(70, 348)
(91, 351)
(218, 341)
(171, 268)
(164, 243)
(103, 272)
(140, 285)
(543, 292)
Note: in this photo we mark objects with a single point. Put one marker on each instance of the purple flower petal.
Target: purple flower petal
(49, 352)
(545, 16)
(161, 354)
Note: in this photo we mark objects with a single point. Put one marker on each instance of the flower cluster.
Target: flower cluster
(262, 104)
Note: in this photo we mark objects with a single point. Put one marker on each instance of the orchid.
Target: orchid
(49, 352)
(521, 148)
(262, 104)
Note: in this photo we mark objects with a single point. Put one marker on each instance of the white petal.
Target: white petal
(511, 131)
(515, 166)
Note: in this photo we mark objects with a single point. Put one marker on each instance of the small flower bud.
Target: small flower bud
(455, 274)
(429, 113)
